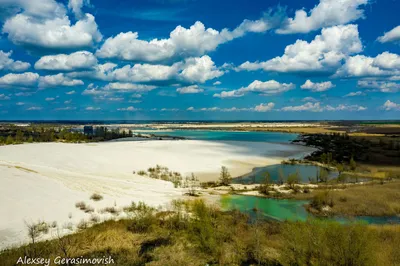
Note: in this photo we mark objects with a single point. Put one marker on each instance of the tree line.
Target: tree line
(18, 135)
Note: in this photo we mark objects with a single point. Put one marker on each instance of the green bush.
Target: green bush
(96, 197)
(319, 242)
(321, 199)
(143, 218)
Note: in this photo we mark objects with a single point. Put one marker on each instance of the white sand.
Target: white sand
(220, 125)
(54, 176)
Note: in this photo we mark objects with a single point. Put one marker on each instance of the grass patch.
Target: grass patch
(82, 225)
(25, 169)
(197, 234)
(111, 210)
(84, 207)
(96, 197)
(372, 199)
(80, 205)
(163, 173)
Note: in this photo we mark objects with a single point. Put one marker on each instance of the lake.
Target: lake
(288, 209)
(306, 172)
(219, 135)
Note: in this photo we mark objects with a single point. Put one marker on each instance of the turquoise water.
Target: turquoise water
(281, 210)
(287, 209)
(226, 135)
(305, 171)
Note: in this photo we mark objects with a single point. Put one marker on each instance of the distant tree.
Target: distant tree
(192, 184)
(264, 188)
(33, 232)
(9, 140)
(329, 158)
(323, 175)
(281, 177)
(323, 157)
(293, 178)
(19, 136)
(225, 177)
(312, 180)
(391, 145)
(340, 168)
(267, 181)
(353, 164)
(30, 139)
(341, 178)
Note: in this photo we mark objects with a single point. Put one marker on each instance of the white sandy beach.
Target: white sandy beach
(44, 181)
(220, 126)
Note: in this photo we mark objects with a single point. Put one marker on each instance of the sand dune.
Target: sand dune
(44, 181)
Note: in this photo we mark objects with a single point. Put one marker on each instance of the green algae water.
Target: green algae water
(281, 210)
(289, 210)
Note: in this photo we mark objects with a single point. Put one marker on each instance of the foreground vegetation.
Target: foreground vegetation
(196, 234)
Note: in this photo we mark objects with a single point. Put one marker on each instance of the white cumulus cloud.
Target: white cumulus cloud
(189, 89)
(327, 13)
(391, 106)
(23, 79)
(317, 107)
(352, 94)
(200, 69)
(34, 108)
(384, 64)
(129, 86)
(76, 6)
(197, 69)
(264, 88)
(182, 42)
(52, 29)
(130, 109)
(6, 63)
(391, 36)
(264, 107)
(382, 86)
(91, 108)
(324, 53)
(58, 80)
(67, 62)
(309, 99)
(309, 106)
(317, 86)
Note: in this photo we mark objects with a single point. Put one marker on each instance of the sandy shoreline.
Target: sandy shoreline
(43, 181)
(221, 125)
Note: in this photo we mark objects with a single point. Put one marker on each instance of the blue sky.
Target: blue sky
(183, 59)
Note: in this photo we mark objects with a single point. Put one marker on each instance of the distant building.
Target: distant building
(88, 130)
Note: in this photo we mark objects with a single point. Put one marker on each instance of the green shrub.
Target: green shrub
(327, 243)
(96, 197)
(321, 199)
(82, 225)
(80, 205)
(143, 217)
(111, 210)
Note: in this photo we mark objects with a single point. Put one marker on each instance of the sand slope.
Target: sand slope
(44, 181)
